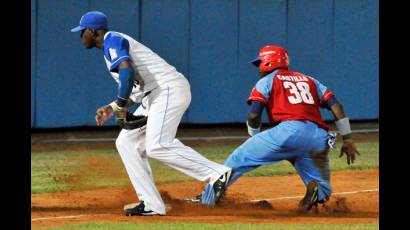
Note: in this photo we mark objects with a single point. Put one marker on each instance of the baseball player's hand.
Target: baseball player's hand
(103, 114)
(350, 150)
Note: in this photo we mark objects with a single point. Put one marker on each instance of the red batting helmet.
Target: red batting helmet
(271, 57)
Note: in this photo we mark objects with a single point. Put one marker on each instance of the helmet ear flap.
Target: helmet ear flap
(266, 66)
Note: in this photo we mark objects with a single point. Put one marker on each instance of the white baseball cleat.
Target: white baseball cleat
(213, 192)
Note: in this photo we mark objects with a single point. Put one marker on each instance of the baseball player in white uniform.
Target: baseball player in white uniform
(164, 94)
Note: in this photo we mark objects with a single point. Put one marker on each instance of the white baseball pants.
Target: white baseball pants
(165, 107)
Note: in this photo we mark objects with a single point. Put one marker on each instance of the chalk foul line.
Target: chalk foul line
(336, 193)
(66, 217)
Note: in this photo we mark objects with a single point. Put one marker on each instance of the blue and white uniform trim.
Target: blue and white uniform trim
(116, 50)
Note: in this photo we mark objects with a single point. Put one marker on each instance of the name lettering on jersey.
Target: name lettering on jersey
(113, 53)
(292, 78)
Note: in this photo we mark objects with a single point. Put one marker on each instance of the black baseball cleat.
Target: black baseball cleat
(138, 210)
(311, 197)
(221, 184)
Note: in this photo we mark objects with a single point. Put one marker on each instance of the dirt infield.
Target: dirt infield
(355, 200)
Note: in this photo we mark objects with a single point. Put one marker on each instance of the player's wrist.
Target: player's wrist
(107, 108)
(343, 126)
(253, 131)
(121, 102)
(347, 138)
(116, 108)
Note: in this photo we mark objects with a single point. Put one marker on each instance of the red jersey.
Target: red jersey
(291, 95)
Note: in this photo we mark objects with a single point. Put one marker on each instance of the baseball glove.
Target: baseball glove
(131, 121)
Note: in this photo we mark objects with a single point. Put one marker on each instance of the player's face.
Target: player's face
(86, 38)
(262, 74)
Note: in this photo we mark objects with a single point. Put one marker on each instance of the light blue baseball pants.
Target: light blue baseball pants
(302, 143)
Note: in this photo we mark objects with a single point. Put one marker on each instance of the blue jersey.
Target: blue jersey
(116, 50)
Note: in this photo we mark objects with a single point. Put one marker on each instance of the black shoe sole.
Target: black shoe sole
(307, 203)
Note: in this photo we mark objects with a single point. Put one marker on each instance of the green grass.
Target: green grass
(62, 171)
(183, 226)
(70, 170)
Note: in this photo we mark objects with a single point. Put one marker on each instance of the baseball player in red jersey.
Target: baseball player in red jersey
(298, 133)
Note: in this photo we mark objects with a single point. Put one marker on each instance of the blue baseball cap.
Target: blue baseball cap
(92, 20)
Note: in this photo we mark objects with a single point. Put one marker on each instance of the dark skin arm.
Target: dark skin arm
(254, 120)
(348, 147)
(124, 64)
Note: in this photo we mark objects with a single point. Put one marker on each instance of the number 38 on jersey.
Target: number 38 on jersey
(300, 92)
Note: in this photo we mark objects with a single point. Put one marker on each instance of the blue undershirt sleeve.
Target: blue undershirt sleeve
(126, 77)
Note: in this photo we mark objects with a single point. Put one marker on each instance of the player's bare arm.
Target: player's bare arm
(254, 121)
(342, 122)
